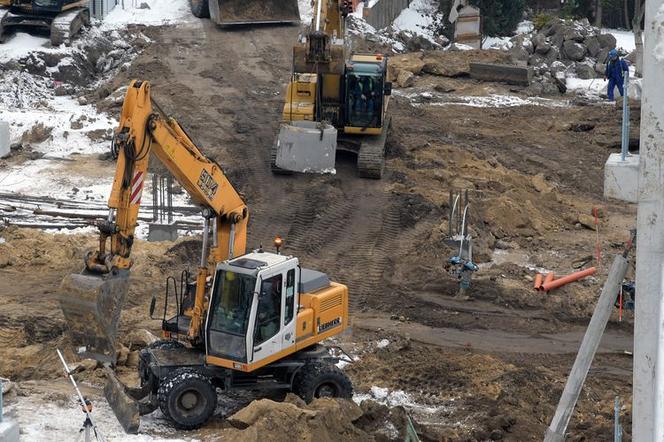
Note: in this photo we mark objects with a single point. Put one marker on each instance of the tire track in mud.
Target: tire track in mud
(343, 225)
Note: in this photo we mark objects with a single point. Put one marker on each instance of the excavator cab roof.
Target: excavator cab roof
(255, 262)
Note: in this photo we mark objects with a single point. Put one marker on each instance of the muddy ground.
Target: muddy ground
(495, 364)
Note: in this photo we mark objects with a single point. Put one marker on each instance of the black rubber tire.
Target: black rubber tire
(169, 344)
(176, 393)
(200, 8)
(321, 379)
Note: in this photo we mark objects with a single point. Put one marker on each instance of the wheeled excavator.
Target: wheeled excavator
(61, 18)
(336, 100)
(246, 12)
(248, 320)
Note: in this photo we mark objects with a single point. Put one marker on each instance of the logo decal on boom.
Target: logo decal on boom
(207, 184)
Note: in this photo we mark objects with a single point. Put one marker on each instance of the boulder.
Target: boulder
(572, 34)
(409, 62)
(519, 55)
(552, 55)
(594, 48)
(535, 60)
(541, 44)
(122, 355)
(556, 67)
(603, 55)
(607, 41)
(139, 338)
(584, 71)
(573, 50)
(405, 78)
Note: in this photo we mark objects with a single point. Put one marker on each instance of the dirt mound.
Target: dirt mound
(442, 63)
(323, 420)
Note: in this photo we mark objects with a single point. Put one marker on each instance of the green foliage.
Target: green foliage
(500, 17)
(541, 20)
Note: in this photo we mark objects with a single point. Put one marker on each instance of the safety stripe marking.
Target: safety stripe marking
(137, 187)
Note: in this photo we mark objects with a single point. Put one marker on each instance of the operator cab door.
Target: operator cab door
(275, 313)
(364, 100)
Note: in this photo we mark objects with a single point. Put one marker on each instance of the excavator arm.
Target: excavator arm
(98, 294)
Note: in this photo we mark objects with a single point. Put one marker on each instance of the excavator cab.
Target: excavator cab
(366, 92)
(251, 315)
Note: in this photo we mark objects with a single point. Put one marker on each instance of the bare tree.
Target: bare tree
(626, 5)
(637, 27)
(598, 13)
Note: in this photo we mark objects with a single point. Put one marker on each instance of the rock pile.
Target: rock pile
(562, 48)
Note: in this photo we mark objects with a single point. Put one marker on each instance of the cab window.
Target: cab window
(364, 100)
(290, 296)
(268, 314)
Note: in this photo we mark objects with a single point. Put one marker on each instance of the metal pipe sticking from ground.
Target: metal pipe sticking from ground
(624, 148)
(589, 345)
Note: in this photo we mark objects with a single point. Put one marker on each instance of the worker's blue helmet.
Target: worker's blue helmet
(613, 54)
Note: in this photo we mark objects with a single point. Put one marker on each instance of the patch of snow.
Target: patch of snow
(306, 11)
(418, 18)
(2, 240)
(502, 43)
(47, 422)
(383, 343)
(160, 12)
(525, 27)
(22, 45)
(459, 47)
(596, 88)
(356, 25)
(624, 39)
(395, 398)
(420, 98)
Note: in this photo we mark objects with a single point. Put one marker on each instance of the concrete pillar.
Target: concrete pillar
(648, 384)
(4, 139)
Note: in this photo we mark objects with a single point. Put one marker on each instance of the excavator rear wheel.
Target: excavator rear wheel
(321, 379)
(200, 8)
(187, 398)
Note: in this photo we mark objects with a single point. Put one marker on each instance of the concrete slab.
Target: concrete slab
(621, 178)
(8, 431)
(4, 139)
(307, 146)
(162, 232)
(502, 73)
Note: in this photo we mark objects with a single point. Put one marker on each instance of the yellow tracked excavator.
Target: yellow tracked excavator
(61, 18)
(246, 12)
(336, 100)
(250, 320)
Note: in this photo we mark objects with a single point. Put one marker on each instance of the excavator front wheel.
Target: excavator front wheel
(321, 379)
(187, 398)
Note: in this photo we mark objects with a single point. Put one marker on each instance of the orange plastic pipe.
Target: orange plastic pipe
(569, 278)
(538, 281)
(547, 279)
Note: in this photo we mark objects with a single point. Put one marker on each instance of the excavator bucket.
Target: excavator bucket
(92, 305)
(306, 146)
(125, 407)
(244, 12)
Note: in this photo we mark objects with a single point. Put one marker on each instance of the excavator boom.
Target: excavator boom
(92, 300)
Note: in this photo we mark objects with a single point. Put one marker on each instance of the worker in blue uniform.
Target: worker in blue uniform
(616, 69)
